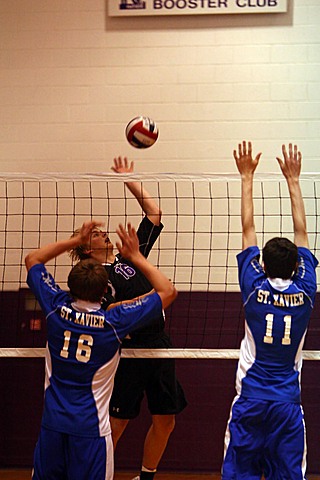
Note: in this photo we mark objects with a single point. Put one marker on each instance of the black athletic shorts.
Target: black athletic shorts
(153, 377)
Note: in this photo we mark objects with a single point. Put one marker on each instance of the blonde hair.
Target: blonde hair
(79, 252)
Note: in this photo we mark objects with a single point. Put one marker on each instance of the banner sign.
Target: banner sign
(126, 8)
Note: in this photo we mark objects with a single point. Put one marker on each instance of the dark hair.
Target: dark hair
(88, 280)
(280, 257)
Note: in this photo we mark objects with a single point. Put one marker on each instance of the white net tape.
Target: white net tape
(185, 353)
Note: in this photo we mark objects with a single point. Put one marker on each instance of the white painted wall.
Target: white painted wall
(71, 77)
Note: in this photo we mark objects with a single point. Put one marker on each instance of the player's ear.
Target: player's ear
(87, 251)
(264, 268)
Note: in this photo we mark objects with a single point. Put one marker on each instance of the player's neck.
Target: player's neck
(103, 256)
(110, 257)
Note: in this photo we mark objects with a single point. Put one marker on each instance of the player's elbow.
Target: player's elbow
(30, 260)
(174, 293)
(169, 296)
(155, 216)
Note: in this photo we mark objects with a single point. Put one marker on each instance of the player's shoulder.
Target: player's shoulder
(249, 257)
(305, 276)
(304, 252)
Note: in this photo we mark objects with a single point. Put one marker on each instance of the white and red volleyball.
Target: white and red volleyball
(142, 132)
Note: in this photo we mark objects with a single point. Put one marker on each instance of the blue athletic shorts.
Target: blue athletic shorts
(59, 456)
(265, 437)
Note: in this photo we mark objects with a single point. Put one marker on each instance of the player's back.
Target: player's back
(81, 361)
(277, 313)
(276, 323)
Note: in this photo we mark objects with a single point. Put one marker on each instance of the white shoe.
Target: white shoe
(136, 478)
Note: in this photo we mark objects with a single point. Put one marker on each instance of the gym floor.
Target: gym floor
(25, 474)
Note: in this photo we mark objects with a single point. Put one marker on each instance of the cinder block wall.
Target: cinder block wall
(71, 77)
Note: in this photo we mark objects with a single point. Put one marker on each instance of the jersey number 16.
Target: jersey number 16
(83, 352)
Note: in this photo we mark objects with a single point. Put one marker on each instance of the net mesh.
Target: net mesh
(196, 250)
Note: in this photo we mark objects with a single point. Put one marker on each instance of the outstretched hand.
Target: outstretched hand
(129, 245)
(122, 165)
(244, 161)
(86, 230)
(291, 163)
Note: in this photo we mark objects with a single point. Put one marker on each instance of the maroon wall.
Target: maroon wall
(195, 321)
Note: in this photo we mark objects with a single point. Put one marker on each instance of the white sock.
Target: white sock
(144, 469)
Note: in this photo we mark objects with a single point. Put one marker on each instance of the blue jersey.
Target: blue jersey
(82, 355)
(277, 313)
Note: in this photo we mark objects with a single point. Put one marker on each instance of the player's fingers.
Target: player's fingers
(258, 157)
(244, 147)
(132, 230)
(284, 152)
(121, 231)
(115, 167)
(95, 225)
(239, 150)
(299, 156)
(90, 224)
(235, 156)
(280, 161)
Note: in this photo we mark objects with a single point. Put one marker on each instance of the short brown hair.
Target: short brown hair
(88, 280)
(280, 257)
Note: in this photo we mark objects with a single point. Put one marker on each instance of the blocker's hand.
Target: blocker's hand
(86, 230)
(244, 161)
(291, 163)
(129, 246)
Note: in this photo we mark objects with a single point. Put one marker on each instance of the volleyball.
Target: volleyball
(142, 132)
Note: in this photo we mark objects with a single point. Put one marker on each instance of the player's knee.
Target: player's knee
(164, 423)
(118, 426)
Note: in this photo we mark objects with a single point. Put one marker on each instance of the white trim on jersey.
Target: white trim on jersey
(247, 357)
(102, 386)
(109, 458)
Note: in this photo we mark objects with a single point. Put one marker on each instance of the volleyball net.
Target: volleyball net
(197, 249)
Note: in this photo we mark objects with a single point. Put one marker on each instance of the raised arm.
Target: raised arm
(129, 248)
(147, 203)
(52, 250)
(247, 166)
(291, 168)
